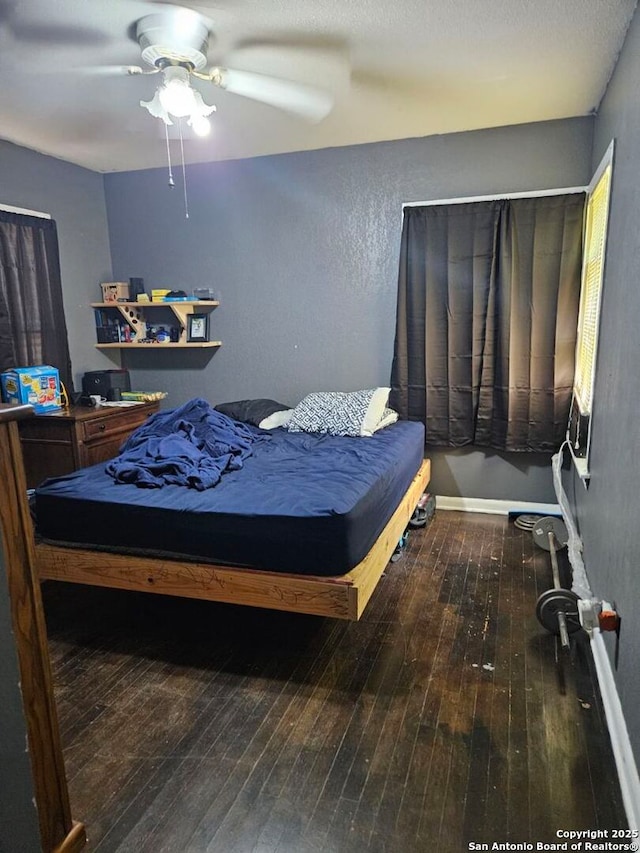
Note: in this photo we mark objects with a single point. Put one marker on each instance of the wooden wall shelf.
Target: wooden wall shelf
(136, 316)
(179, 308)
(155, 347)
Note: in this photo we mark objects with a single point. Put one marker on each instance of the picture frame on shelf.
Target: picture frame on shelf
(198, 328)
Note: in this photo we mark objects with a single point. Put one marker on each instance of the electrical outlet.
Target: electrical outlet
(608, 618)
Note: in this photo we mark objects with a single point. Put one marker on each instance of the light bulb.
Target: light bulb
(177, 97)
(200, 124)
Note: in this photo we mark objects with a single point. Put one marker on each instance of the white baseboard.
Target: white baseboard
(495, 507)
(620, 743)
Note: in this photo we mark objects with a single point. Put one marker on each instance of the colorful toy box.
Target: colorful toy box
(38, 386)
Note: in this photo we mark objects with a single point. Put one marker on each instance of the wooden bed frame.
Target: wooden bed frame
(341, 596)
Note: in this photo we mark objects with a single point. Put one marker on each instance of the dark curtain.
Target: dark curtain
(488, 296)
(32, 324)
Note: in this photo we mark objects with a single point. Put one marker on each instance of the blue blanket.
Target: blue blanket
(192, 445)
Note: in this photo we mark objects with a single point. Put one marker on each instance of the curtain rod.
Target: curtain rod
(496, 197)
(24, 212)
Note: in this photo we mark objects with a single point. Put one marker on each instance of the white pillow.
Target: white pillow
(389, 416)
(277, 419)
(340, 412)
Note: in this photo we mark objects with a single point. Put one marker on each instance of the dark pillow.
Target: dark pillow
(250, 411)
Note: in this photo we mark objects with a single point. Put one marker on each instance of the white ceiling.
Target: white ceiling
(418, 67)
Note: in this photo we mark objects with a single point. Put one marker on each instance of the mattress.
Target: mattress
(303, 503)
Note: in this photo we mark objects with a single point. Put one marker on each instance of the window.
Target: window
(593, 260)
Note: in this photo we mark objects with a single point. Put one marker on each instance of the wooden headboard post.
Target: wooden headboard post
(58, 833)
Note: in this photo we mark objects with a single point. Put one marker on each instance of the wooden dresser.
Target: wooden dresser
(60, 442)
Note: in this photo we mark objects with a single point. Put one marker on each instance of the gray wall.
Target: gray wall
(302, 250)
(472, 473)
(75, 199)
(608, 511)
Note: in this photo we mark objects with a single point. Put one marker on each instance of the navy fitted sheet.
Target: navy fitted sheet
(302, 503)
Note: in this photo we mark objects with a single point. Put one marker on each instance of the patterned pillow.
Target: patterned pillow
(340, 412)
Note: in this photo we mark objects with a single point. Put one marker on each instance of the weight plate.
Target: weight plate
(555, 601)
(419, 518)
(526, 522)
(550, 524)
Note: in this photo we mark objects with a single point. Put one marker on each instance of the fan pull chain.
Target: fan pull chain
(172, 183)
(184, 172)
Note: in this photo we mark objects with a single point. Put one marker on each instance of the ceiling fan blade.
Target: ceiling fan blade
(96, 70)
(113, 70)
(309, 102)
(303, 61)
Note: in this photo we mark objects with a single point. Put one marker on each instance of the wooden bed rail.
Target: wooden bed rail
(342, 596)
(58, 833)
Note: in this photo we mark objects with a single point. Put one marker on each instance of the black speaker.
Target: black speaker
(107, 383)
(136, 286)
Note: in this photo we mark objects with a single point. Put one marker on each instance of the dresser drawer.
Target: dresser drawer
(125, 420)
(35, 429)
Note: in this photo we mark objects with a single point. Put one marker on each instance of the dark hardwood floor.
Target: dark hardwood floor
(445, 716)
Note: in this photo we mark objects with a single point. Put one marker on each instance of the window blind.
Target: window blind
(592, 273)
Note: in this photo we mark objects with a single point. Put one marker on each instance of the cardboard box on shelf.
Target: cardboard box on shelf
(39, 386)
(112, 291)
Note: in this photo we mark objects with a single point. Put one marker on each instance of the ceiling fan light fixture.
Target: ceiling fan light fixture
(177, 98)
(176, 93)
(176, 42)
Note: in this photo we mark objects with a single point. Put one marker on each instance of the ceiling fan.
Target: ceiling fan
(174, 43)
